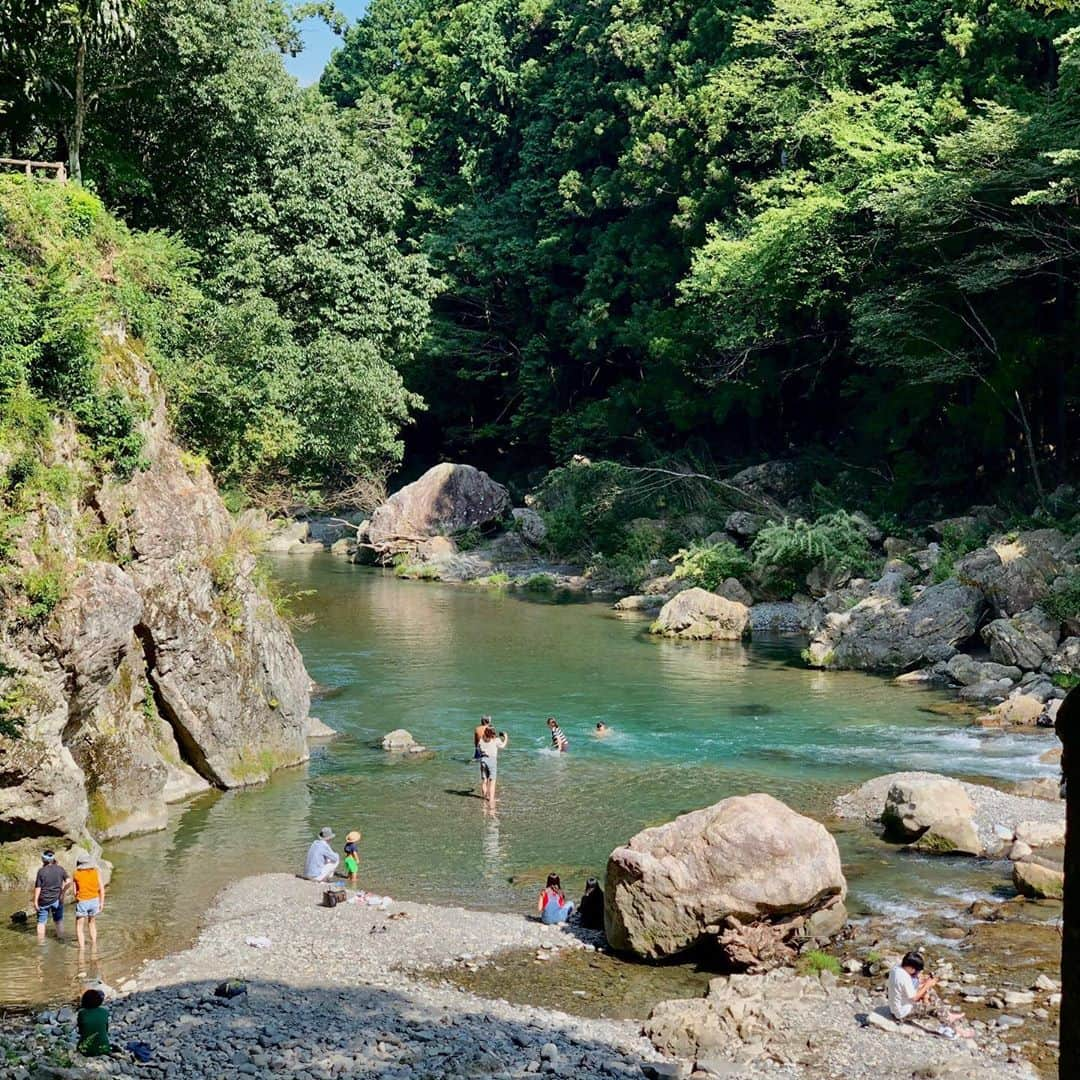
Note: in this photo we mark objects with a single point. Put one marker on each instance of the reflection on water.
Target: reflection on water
(691, 723)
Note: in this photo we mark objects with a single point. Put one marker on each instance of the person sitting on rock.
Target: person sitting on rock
(322, 859)
(352, 856)
(558, 739)
(912, 996)
(92, 1022)
(552, 906)
(591, 908)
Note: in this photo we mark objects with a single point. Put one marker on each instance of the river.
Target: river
(691, 723)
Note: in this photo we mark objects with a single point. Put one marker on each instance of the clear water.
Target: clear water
(691, 723)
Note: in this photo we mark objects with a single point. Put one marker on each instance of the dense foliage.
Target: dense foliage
(830, 229)
(284, 363)
(848, 224)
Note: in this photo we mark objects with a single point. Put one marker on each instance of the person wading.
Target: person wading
(487, 753)
(50, 885)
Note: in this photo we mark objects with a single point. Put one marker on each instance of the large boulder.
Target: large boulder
(879, 634)
(446, 499)
(963, 670)
(1024, 641)
(918, 802)
(1015, 572)
(746, 858)
(776, 481)
(530, 525)
(1038, 882)
(697, 614)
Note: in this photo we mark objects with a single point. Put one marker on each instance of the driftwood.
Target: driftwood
(758, 947)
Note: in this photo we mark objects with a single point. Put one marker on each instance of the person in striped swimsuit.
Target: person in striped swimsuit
(558, 739)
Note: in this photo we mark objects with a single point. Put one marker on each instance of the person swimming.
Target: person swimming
(601, 730)
(558, 739)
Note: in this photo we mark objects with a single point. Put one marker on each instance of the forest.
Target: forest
(843, 233)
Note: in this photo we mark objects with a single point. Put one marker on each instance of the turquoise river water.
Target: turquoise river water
(691, 723)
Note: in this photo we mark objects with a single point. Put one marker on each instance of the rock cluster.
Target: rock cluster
(747, 859)
(940, 815)
(795, 1022)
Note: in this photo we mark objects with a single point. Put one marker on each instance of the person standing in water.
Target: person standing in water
(558, 739)
(50, 885)
(486, 724)
(487, 753)
(89, 899)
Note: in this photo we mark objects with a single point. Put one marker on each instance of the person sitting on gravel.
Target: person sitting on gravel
(591, 908)
(352, 856)
(322, 859)
(552, 905)
(912, 996)
(92, 1022)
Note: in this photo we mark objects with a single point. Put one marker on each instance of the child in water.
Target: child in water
(558, 739)
(352, 856)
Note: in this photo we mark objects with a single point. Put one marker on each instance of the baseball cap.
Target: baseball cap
(326, 833)
(48, 856)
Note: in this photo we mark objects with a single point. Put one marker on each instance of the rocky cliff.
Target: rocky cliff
(140, 658)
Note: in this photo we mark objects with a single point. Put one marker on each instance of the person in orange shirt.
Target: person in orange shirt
(89, 898)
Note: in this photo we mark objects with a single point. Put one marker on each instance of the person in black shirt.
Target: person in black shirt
(49, 887)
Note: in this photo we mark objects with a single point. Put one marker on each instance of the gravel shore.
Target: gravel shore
(356, 991)
(992, 807)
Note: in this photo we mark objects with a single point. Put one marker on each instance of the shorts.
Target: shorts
(488, 768)
(87, 909)
(57, 909)
(352, 866)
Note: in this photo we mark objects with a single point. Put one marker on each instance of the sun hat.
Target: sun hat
(326, 833)
(84, 860)
(353, 837)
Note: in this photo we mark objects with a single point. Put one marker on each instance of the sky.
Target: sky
(319, 42)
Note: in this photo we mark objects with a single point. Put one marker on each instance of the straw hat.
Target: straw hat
(353, 837)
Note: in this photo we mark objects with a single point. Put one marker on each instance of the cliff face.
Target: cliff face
(163, 668)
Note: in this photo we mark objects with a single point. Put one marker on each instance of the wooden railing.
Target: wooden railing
(58, 168)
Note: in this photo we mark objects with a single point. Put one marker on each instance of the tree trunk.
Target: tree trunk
(1068, 731)
(79, 102)
(1029, 441)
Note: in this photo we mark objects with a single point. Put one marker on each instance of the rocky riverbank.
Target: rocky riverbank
(142, 657)
(363, 991)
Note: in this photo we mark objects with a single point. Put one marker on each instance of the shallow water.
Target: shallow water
(691, 723)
